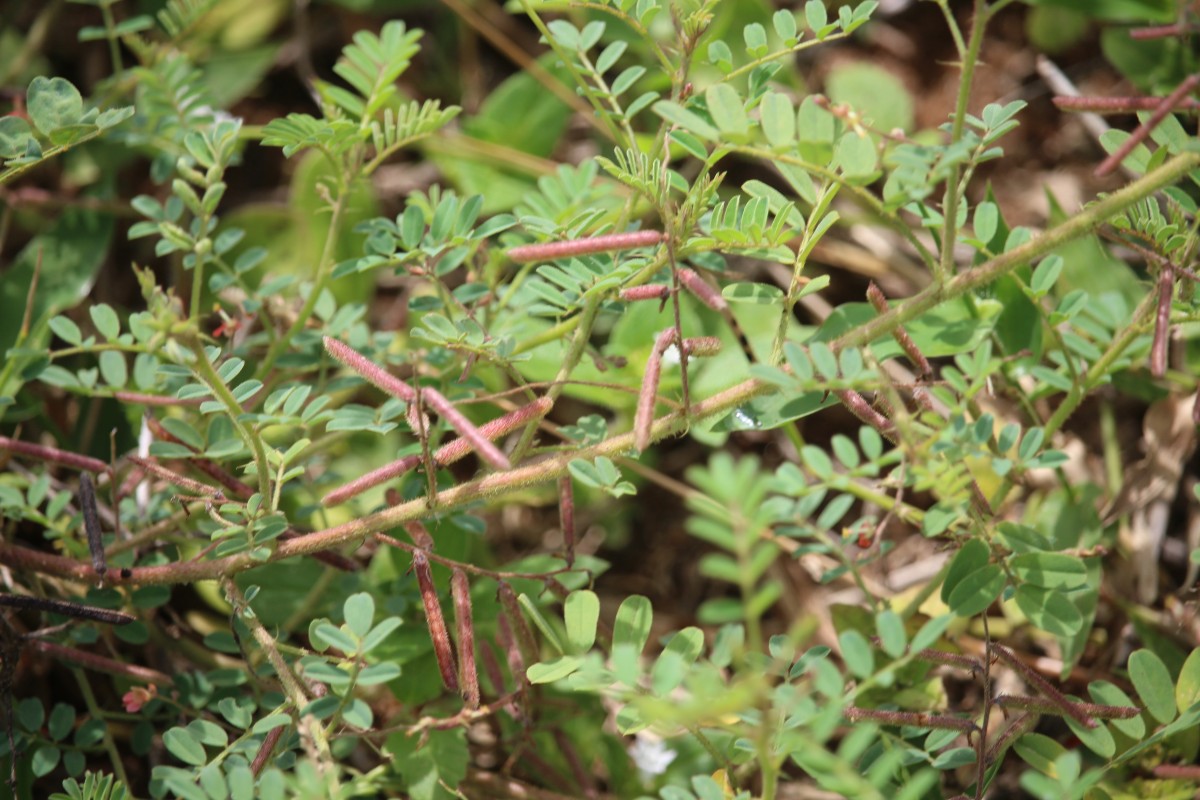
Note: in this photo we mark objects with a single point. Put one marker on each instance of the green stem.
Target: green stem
(97, 713)
(210, 377)
(958, 123)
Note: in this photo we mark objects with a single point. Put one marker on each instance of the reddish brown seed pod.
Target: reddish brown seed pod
(875, 295)
(703, 292)
(519, 628)
(466, 429)
(651, 291)
(372, 479)
(468, 674)
(578, 247)
(368, 369)
(443, 649)
(644, 418)
(566, 517)
(702, 346)
(66, 609)
(420, 535)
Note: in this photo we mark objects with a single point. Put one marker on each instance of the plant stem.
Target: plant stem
(234, 410)
(958, 122)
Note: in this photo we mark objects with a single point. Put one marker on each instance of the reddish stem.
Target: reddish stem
(1162, 323)
(46, 453)
(1165, 107)
(1118, 105)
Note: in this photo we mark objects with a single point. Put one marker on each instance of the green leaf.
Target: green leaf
(66, 329)
(727, 110)
(757, 293)
(1039, 752)
(114, 369)
(1153, 684)
(53, 103)
(955, 758)
(777, 115)
(431, 765)
(359, 610)
(181, 743)
(1049, 570)
(1049, 610)
(973, 555)
(1187, 690)
(62, 721)
(15, 137)
(581, 612)
(688, 120)
(550, 671)
(672, 664)
(856, 652)
(105, 320)
(815, 15)
(977, 590)
(892, 635)
(1098, 739)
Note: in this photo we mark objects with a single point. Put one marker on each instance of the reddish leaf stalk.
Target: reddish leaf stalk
(875, 295)
(579, 247)
(1165, 107)
(237, 488)
(137, 398)
(174, 477)
(53, 454)
(442, 648)
(1161, 31)
(913, 718)
(367, 368)
(91, 523)
(582, 776)
(1045, 706)
(66, 609)
(1184, 772)
(1118, 105)
(566, 517)
(1044, 687)
(644, 418)
(468, 672)
(700, 288)
(99, 663)
(1162, 323)
(651, 291)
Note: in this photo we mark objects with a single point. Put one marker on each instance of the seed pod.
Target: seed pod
(519, 628)
(578, 247)
(468, 675)
(66, 609)
(455, 450)
(702, 346)
(651, 291)
(875, 295)
(420, 535)
(703, 292)
(466, 429)
(644, 419)
(91, 523)
(442, 647)
(372, 479)
(369, 370)
(566, 517)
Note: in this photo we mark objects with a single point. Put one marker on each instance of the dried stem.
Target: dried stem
(1162, 323)
(91, 523)
(913, 718)
(66, 608)
(566, 517)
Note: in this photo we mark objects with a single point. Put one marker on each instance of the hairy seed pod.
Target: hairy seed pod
(566, 517)
(703, 292)
(369, 370)
(420, 535)
(457, 449)
(442, 647)
(651, 291)
(466, 429)
(1044, 687)
(644, 418)
(468, 674)
(578, 247)
(263, 756)
(702, 346)
(875, 295)
(91, 523)
(522, 635)
(370, 480)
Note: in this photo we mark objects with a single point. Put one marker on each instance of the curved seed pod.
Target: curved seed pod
(702, 346)
(466, 429)
(420, 535)
(442, 647)
(703, 292)
(651, 291)
(526, 645)
(579, 247)
(468, 674)
(644, 418)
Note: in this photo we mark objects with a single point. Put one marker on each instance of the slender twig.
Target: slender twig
(66, 608)
(91, 523)
(1165, 107)
(53, 454)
